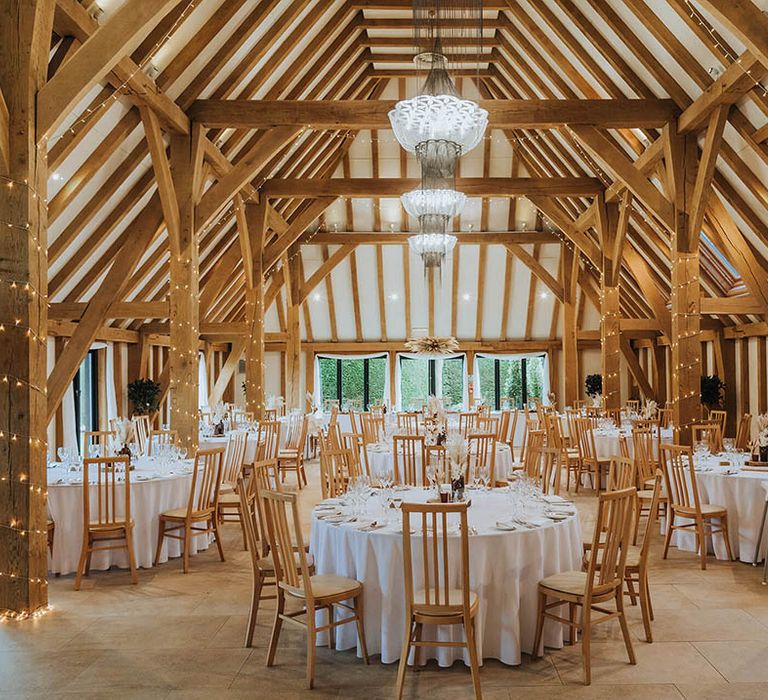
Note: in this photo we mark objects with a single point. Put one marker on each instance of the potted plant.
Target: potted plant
(712, 388)
(144, 395)
(594, 385)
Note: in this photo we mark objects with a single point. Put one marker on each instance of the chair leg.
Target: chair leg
(726, 537)
(81, 564)
(631, 590)
(624, 626)
(668, 536)
(417, 637)
(217, 534)
(187, 544)
(572, 628)
(359, 612)
(311, 640)
(645, 607)
(160, 538)
(404, 658)
(276, 626)
(258, 584)
(586, 634)
(331, 629)
(131, 555)
(756, 558)
(702, 543)
(474, 667)
(537, 641)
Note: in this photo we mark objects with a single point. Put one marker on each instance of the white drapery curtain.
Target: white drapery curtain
(438, 375)
(109, 373)
(514, 356)
(318, 395)
(202, 382)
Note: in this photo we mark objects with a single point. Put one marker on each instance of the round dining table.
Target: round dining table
(507, 559)
(381, 458)
(156, 486)
(741, 491)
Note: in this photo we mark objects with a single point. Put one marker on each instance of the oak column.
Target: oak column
(610, 311)
(184, 298)
(293, 344)
(25, 35)
(569, 261)
(255, 220)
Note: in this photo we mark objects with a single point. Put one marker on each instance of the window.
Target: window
(421, 378)
(86, 389)
(353, 379)
(510, 382)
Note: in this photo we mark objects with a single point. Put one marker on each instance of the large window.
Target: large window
(510, 382)
(353, 380)
(86, 389)
(420, 378)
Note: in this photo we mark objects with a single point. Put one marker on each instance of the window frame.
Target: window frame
(366, 377)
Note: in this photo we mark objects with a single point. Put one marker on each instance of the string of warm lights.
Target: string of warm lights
(11, 616)
(724, 48)
(91, 112)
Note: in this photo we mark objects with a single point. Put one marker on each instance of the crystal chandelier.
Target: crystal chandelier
(433, 248)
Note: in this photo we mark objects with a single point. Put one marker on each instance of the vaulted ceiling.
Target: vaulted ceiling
(103, 190)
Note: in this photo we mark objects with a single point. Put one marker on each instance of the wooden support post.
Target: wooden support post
(729, 364)
(610, 311)
(184, 298)
(570, 274)
(256, 221)
(25, 34)
(686, 289)
(293, 345)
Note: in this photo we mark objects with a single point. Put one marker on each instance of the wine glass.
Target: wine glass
(484, 473)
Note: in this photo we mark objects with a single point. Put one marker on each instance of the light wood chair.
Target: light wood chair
(373, 427)
(199, 517)
(645, 469)
(545, 468)
(270, 414)
(710, 433)
(291, 458)
(533, 448)
(159, 438)
(410, 460)
(268, 440)
(102, 439)
(602, 582)
(408, 421)
(684, 503)
(337, 467)
(107, 522)
(721, 418)
(744, 432)
(437, 458)
(296, 583)
(142, 425)
(588, 459)
(636, 570)
(467, 422)
(232, 463)
(481, 455)
(511, 432)
(433, 601)
(633, 405)
(664, 417)
(569, 456)
(621, 474)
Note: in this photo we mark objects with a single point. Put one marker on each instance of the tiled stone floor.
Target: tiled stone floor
(177, 636)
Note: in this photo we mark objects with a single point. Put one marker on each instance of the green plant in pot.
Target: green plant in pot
(593, 384)
(712, 389)
(144, 395)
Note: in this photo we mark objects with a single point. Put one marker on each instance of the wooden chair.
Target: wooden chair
(613, 414)
(709, 433)
(270, 414)
(568, 456)
(437, 458)
(664, 417)
(107, 523)
(621, 474)
(744, 432)
(142, 425)
(636, 570)
(330, 404)
(376, 410)
(467, 422)
(199, 517)
(50, 535)
(633, 405)
(588, 459)
(533, 449)
(233, 467)
(291, 458)
(481, 455)
(511, 431)
(296, 583)
(337, 467)
(719, 417)
(373, 428)
(102, 439)
(268, 440)
(602, 582)
(684, 503)
(232, 463)
(408, 422)
(410, 460)
(645, 468)
(159, 438)
(433, 601)
(545, 469)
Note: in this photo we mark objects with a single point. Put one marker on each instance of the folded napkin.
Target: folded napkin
(534, 521)
(553, 499)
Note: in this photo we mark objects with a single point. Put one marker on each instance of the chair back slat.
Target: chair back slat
(337, 467)
(467, 422)
(621, 474)
(102, 439)
(141, 428)
(532, 454)
(206, 480)
(268, 440)
(437, 458)
(409, 460)
(234, 457)
(744, 432)
(482, 454)
(432, 524)
(159, 438)
(408, 421)
(263, 478)
(502, 433)
(611, 541)
(102, 507)
(682, 489)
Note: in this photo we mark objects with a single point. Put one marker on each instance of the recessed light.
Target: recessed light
(393, 297)
(316, 297)
(55, 177)
(543, 295)
(465, 297)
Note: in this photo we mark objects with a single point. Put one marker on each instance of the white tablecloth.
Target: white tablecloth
(505, 568)
(212, 443)
(380, 457)
(744, 497)
(154, 488)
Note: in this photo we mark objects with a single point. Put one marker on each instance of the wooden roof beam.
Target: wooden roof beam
(369, 114)
(400, 237)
